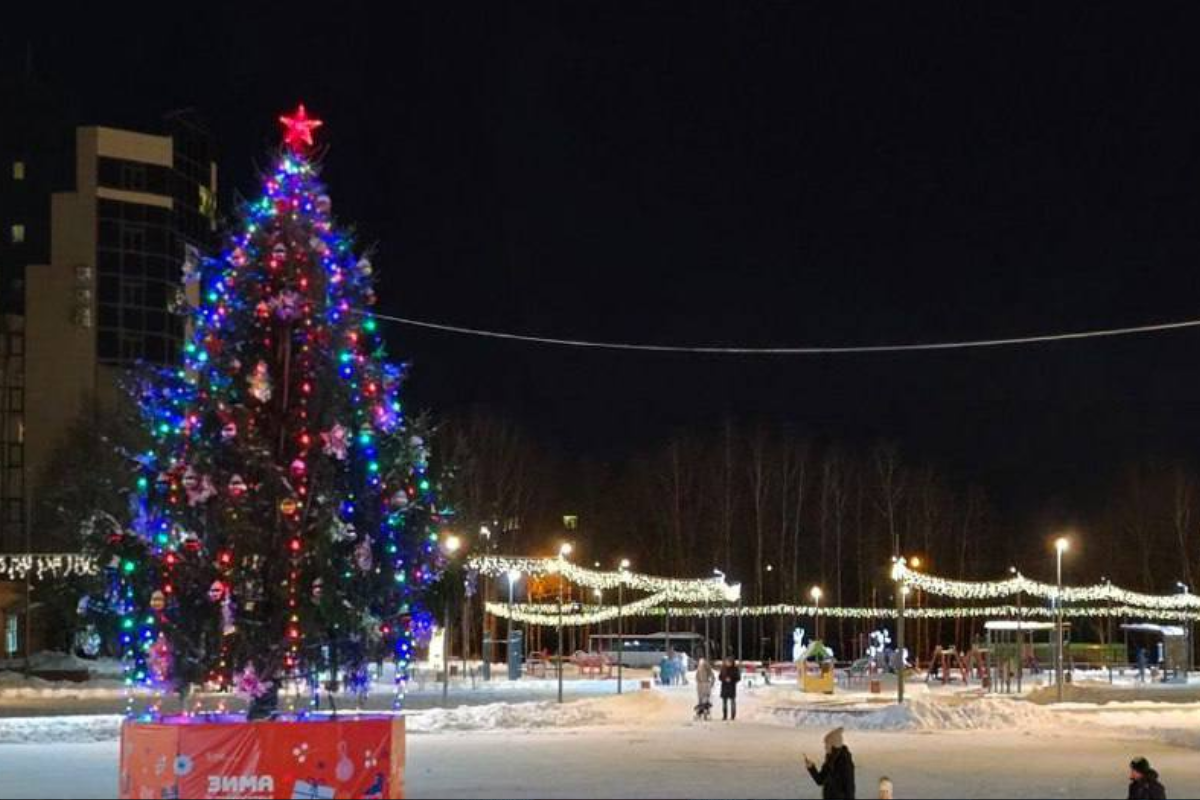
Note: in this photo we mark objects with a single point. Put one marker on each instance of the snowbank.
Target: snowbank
(54, 661)
(1104, 692)
(14, 686)
(919, 714)
(635, 708)
(505, 716)
(60, 730)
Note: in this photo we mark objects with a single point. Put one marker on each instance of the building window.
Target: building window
(18, 170)
(12, 511)
(16, 399)
(133, 177)
(133, 238)
(16, 344)
(18, 233)
(16, 455)
(133, 348)
(208, 202)
(12, 634)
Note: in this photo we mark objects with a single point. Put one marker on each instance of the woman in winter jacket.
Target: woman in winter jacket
(836, 776)
(705, 678)
(1143, 782)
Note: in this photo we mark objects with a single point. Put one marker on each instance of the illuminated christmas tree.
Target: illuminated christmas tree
(284, 523)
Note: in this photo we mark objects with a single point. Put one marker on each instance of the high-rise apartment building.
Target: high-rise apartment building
(94, 235)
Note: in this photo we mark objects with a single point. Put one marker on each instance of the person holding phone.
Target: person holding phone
(836, 775)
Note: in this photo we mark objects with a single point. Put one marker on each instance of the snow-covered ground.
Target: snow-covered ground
(944, 742)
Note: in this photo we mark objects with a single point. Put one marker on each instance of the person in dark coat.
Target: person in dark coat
(836, 776)
(1143, 781)
(729, 678)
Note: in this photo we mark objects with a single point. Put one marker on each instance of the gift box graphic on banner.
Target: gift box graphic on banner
(313, 759)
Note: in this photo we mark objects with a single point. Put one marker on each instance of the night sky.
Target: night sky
(742, 173)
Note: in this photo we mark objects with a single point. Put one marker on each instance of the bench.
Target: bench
(594, 665)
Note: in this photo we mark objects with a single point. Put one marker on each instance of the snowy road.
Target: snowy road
(722, 761)
(644, 745)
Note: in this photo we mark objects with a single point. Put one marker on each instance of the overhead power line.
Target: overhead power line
(792, 351)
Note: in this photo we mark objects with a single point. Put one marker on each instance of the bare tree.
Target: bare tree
(1184, 497)
(891, 489)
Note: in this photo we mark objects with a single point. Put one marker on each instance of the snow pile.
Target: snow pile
(919, 714)
(14, 686)
(54, 661)
(1096, 692)
(60, 730)
(506, 716)
(636, 708)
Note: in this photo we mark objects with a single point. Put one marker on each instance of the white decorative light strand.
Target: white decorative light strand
(699, 590)
(546, 614)
(1019, 584)
(39, 566)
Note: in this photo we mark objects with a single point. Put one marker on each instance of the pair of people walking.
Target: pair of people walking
(729, 677)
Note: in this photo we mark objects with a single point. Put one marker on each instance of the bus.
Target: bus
(647, 649)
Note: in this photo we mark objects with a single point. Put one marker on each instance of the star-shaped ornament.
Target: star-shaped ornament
(298, 129)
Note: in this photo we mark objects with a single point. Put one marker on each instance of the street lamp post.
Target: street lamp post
(563, 551)
(1020, 641)
(1190, 662)
(450, 546)
(1060, 546)
(901, 590)
(815, 594)
(724, 618)
(621, 625)
(513, 576)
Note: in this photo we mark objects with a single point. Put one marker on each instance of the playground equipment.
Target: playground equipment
(815, 668)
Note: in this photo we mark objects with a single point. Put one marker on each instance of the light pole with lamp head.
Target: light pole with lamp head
(901, 591)
(815, 594)
(622, 567)
(1061, 545)
(514, 575)
(450, 546)
(724, 626)
(1190, 662)
(1012, 570)
(564, 550)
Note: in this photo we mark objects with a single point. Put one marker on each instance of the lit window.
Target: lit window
(208, 202)
(18, 233)
(18, 170)
(12, 634)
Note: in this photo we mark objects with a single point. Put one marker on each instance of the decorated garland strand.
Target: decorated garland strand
(546, 614)
(698, 590)
(1019, 584)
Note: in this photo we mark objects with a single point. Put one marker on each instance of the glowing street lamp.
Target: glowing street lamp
(815, 594)
(622, 567)
(564, 550)
(450, 545)
(514, 575)
(1061, 545)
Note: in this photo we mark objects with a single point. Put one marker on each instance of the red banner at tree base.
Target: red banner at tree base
(316, 758)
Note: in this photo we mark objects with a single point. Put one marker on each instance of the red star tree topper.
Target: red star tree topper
(298, 129)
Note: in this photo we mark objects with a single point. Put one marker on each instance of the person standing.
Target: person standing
(729, 677)
(1143, 781)
(705, 678)
(836, 776)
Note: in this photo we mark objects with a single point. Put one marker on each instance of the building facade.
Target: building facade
(90, 283)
